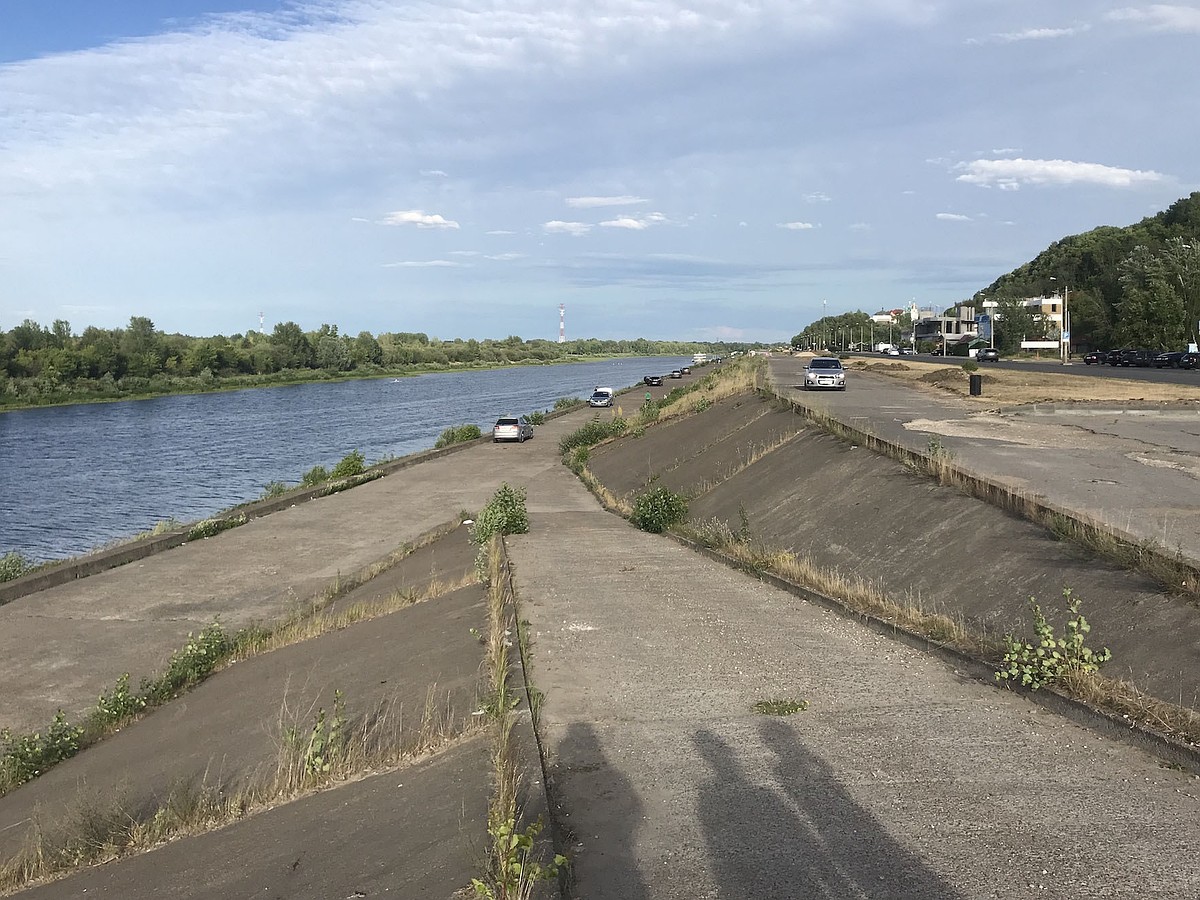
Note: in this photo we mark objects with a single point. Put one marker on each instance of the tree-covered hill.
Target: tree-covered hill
(1132, 286)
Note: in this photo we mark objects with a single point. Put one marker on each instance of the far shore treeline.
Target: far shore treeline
(41, 366)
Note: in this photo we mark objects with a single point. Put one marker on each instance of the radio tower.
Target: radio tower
(261, 328)
(562, 324)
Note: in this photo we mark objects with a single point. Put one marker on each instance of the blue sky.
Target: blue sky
(692, 169)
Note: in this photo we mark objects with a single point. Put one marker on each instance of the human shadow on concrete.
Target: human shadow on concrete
(796, 833)
(588, 788)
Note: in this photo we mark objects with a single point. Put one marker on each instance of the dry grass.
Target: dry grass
(1015, 386)
(103, 829)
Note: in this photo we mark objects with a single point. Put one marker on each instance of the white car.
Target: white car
(602, 396)
(512, 428)
(824, 372)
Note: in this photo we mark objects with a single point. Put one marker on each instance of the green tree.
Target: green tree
(294, 348)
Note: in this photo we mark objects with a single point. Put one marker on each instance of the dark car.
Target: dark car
(988, 354)
(1095, 358)
(1172, 358)
(653, 380)
(1113, 357)
(1190, 360)
(1140, 359)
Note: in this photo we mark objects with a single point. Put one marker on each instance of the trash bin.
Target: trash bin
(976, 385)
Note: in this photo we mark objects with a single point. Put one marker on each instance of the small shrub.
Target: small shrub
(198, 658)
(118, 704)
(567, 403)
(970, 366)
(537, 418)
(577, 459)
(702, 404)
(505, 513)
(592, 433)
(352, 463)
(458, 434)
(515, 870)
(26, 756)
(325, 742)
(658, 509)
(314, 476)
(1046, 658)
(13, 565)
(211, 527)
(274, 489)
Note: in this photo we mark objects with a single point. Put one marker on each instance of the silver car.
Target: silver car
(824, 372)
(512, 428)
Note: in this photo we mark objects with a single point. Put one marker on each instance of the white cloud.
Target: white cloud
(952, 217)
(433, 173)
(635, 223)
(499, 232)
(796, 226)
(1037, 34)
(1161, 17)
(575, 229)
(1010, 174)
(860, 226)
(426, 264)
(505, 257)
(420, 218)
(817, 197)
(464, 253)
(592, 202)
(1006, 151)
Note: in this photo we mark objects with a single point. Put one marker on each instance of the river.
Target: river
(74, 478)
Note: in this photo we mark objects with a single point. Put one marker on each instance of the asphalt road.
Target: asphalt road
(1075, 367)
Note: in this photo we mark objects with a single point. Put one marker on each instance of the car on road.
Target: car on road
(676, 373)
(824, 372)
(1190, 360)
(890, 351)
(512, 428)
(1095, 358)
(1172, 358)
(602, 396)
(653, 380)
(686, 370)
(988, 354)
(907, 351)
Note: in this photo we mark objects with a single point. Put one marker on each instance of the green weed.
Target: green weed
(458, 434)
(658, 509)
(1045, 658)
(779, 707)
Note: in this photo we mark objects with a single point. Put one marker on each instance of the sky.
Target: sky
(669, 169)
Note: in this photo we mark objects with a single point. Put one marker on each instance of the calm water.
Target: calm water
(73, 478)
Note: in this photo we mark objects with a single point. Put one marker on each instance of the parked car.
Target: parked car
(1171, 358)
(907, 351)
(1137, 358)
(676, 373)
(512, 428)
(1113, 357)
(686, 370)
(891, 351)
(1190, 360)
(824, 372)
(987, 354)
(653, 380)
(601, 397)
(1095, 358)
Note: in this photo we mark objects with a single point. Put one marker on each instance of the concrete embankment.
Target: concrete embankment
(903, 777)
